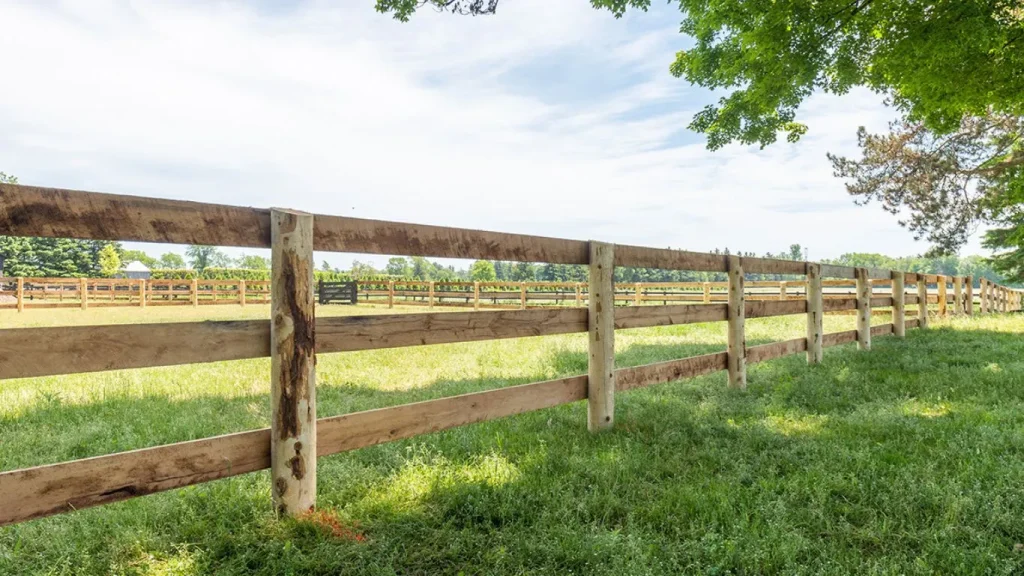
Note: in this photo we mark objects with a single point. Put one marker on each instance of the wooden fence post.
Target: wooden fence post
(601, 317)
(737, 339)
(20, 283)
(194, 292)
(863, 310)
(814, 314)
(922, 300)
(958, 295)
(707, 292)
(142, 293)
(981, 294)
(782, 289)
(899, 310)
(969, 297)
(943, 296)
(522, 295)
(293, 360)
(579, 295)
(476, 295)
(391, 293)
(637, 292)
(430, 294)
(83, 287)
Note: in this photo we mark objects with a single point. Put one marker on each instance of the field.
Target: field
(906, 459)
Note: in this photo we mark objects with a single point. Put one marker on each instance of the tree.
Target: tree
(361, 269)
(944, 185)
(398, 266)
(482, 271)
(937, 62)
(139, 256)
(203, 257)
(254, 262)
(7, 179)
(109, 261)
(172, 261)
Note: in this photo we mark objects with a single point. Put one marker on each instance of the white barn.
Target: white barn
(136, 270)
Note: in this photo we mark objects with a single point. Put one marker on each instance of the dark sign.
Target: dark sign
(337, 292)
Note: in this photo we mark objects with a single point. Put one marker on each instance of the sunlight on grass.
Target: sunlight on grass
(926, 410)
(905, 459)
(793, 425)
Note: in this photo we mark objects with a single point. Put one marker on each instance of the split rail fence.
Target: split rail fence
(47, 293)
(292, 337)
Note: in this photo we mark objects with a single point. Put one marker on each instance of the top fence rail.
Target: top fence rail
(59, 213)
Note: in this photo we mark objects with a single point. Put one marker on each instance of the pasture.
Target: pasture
(907, 459)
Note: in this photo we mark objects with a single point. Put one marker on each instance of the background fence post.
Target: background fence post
(922, 300)
(293, 375)
(142, 293)
(815, 310)
(194, 292)
(476, 295)
(943, 296)
(430, 294)
(601, 318)
(391, 293)
(21, 293)
(707, 292)
(637, 292)
(241, 292)
(782, 290)
(899, 309)
(83, 287)
(737, 313)
(863, 310)
(522, 295)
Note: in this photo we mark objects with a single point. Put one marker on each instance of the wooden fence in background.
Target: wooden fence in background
(292, 337)
(46, 293)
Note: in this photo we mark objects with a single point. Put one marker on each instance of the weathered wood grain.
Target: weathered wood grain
(863, 310)
(76, 349)
(601, 325)
(764, 352)
(361, 429)
(837, 338)
(737, 341)
(52, 489)
(639, 376)
(57, 213)
(668, 315)
(815, 314)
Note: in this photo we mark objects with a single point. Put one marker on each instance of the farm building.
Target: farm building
(137, 270)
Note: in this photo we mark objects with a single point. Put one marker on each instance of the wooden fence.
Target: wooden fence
(296, 438)
(32, 293)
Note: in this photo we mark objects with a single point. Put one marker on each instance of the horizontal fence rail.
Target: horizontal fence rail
(292, 335)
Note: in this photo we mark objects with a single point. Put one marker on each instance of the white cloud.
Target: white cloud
(333, 108)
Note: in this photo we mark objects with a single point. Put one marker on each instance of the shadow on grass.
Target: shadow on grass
(904, 459)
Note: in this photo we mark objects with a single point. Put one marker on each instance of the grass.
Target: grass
(904, 460)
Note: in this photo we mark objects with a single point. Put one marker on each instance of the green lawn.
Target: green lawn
(908, 459)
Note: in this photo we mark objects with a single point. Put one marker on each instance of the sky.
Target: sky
(549, 118)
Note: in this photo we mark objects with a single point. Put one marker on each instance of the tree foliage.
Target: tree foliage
(203, 257)
(109, 261)
(171, 260)
(482, 271)
(943, 185)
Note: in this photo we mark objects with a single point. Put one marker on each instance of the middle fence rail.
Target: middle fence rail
(292, 336)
